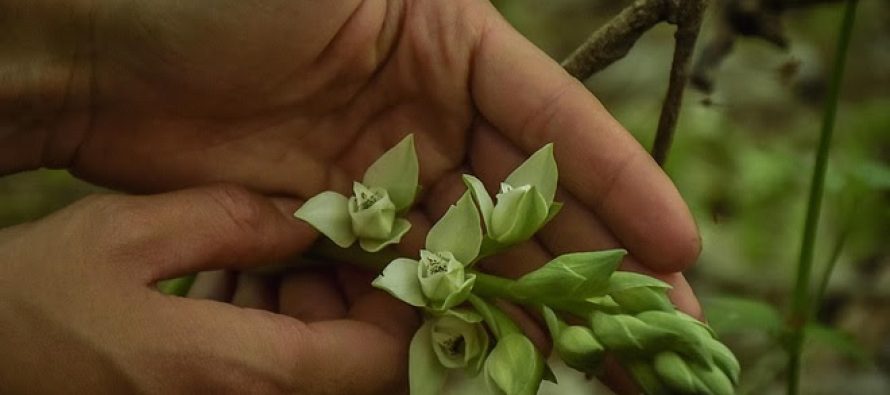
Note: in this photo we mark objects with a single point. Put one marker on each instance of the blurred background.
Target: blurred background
(742, 158)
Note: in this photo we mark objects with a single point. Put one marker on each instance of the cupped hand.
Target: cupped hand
(296, 97)
(79, 311)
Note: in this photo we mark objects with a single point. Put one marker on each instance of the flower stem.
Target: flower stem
(800, 310)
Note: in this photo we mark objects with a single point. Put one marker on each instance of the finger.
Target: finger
(255, 291)
(214, 285)
(215, 227)
(532, 101)
(311, 295)
(262, 352)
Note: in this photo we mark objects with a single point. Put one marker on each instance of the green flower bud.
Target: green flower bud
(518, 214)
(578, 348)
(514, 366)
(628, 334)
(646, 378)
(691, 335)
(676, 374)
(443, 280)
(640, 299)
(372, 212)
(724, 359)
(459, 343)
(713, 378)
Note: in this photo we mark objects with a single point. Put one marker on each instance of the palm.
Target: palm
(292, 97)
(265, 99)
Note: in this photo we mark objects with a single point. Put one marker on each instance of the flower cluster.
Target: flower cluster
(626, 314)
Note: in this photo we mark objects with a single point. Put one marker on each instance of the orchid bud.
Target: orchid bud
(640, 299)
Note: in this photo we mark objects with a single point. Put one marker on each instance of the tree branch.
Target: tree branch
(688, 15)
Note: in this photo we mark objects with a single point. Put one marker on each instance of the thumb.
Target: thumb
(214, 227)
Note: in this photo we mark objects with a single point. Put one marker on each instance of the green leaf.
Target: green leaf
(571, 276)
(737, 315)
(177, 286)
(518, 214)
(838, 340)
(397, 172)
(539, 171)
(515, 367)
(480, 195)
(328, 212)
(400, 227)
(622, 280)
(399, 279)
(457, 232)
(499, 323)
(426, 375)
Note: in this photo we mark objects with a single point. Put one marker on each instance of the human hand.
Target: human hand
(295, 97)
(79, 311)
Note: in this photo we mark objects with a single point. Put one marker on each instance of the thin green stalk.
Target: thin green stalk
(801, 302)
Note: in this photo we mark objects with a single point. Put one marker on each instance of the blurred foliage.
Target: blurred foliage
(742, 159)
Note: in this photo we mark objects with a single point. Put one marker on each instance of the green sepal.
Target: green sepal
(514, 367)
(328, 213)
(399, 279)
(539, 171)
(426, 375)
(457, 297)
(481, 197)
(518, 214)
(498, 322)
(457, 232)
(400, 227)
(397, 172)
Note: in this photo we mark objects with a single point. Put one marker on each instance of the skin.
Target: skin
(287, 99)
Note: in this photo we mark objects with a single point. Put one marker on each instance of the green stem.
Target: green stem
(800, 308)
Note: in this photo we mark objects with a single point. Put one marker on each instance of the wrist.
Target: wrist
(45, 89)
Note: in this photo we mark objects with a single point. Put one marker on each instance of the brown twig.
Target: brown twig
(612, 41)
(687, 15)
